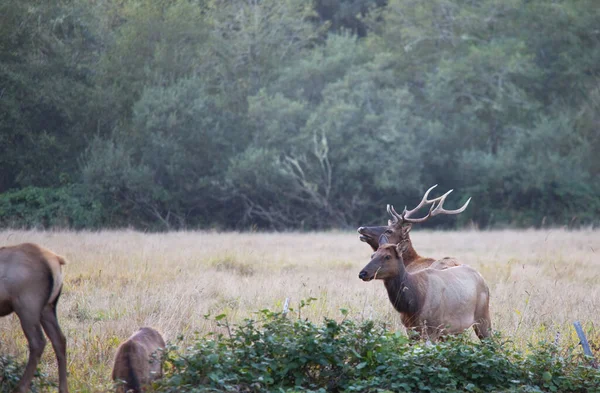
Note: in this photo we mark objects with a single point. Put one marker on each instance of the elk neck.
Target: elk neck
(409, 254)
(403, 292)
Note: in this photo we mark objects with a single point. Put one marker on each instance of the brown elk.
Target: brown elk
(398, 228)
(138, 361)
(30, 285)
(432, 302)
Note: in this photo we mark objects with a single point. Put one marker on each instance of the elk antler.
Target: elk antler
(405, 214)
(433, 210)
(395, 216)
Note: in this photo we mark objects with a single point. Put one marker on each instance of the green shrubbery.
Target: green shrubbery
(63, 207)
(11, 372)
(278, 354)
(274, 353)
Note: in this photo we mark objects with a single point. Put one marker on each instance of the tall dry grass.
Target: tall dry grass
(117, 281)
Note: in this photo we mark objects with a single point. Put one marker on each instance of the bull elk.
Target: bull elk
(30, 285)
(137, 362)
(398, 228)
(432, 302)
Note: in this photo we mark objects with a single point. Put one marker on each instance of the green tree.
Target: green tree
(166, 168)
(347, 14)
(331, 151)
(44, 91)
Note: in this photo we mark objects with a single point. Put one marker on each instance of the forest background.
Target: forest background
(290, 114)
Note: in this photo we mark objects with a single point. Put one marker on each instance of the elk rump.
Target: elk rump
(138, 361)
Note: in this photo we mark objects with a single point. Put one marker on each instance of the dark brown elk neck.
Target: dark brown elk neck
(403, 292)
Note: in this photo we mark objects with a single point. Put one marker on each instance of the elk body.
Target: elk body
(432, 302)
(138, 361)
(30, 285)
(398, 228)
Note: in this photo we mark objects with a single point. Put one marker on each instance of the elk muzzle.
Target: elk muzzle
(370, 235)
(363, 276)
(369, 272)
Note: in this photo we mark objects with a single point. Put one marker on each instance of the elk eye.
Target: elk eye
(387, 257)
(389, 231)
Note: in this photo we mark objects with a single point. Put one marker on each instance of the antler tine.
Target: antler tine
(392, 212)
(417, 220)
(407, 213)
(440, 209)
(396, 213)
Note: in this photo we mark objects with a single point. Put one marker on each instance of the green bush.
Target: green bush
(63, 207)
(275, 353)
(11, 372)
(561, 370)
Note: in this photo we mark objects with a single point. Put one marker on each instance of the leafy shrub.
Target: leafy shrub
(561, 370)
(63, 207)
(275, 353)
(10, 375)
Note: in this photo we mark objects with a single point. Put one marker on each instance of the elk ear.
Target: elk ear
(406, 228)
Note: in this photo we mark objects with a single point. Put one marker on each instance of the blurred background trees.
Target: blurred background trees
(287, 114)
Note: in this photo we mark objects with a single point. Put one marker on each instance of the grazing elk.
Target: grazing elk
(138, 361)
(432, 302)
(398, 228)
(30, 285)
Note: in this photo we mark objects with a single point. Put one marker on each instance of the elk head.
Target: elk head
(386, 262)
(370, 235)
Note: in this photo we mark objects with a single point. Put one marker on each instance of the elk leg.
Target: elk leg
(35, 337)
(59, 343)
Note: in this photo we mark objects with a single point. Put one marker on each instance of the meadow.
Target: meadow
(117, 281)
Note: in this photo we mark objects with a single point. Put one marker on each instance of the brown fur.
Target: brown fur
(138, 361)
(30, 284)
(432, 302)
(398, 228)
(396, 234)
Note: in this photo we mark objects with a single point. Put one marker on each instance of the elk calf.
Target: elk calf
(430, 301)
(30, 284)
(138, 360)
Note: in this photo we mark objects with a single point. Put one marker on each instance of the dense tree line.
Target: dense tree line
(290, 114)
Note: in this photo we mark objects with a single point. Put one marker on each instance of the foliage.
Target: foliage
(64, 207)
(561, 370)
(44, 88)
(10, 375)
(275, 353)
(347, 14)
(301, 114)
(165, 167)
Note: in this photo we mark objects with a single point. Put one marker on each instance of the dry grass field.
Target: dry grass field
(117, 281)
